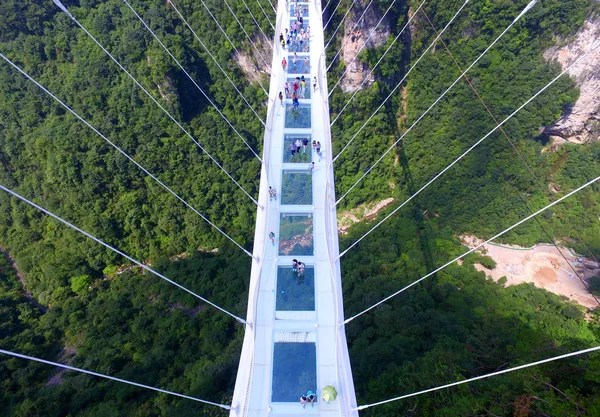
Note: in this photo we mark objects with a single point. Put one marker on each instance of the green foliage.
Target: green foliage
(81, 284)
(456, 325)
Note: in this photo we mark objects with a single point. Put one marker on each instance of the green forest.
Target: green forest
(65, 298)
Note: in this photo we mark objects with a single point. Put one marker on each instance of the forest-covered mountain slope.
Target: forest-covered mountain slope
(96, 313)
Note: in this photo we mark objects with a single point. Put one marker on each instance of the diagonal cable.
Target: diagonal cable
(371, 32)
(522, 158)
(205, 48)
(228, 39)
(332, 14)
(326, 5)
(64, 9)
(498, 126)
(477, 378)
(122, 152)
(366, 78)
(123, 254)
(112, 378)
(404, 78)
(430, 107)
(587, 184)
(268, 43)
(266, 16)
(342, 22)
(246, 33)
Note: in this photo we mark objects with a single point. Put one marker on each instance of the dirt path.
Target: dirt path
(21, 278)
(541, 265)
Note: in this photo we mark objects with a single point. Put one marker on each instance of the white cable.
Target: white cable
(331, 17)
(268, 43)
(471, 250)
(207, 51)
(326, 5)
(367, 77)
(121, 151)
(123, 254)
(72, 368)
(246, 33)
(353, 29)
(516, 368)
(498, 126)
(64, 9)
(363, 47)
(341, 22)
(439, 98)
(266, 16)
(403, 78)
(229, 39)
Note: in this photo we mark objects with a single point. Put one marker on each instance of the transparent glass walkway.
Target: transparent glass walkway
(295, 343)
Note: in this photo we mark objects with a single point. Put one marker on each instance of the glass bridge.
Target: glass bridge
(296, 342)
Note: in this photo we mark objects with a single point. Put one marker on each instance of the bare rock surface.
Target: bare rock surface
(356, 35)
(582, 123)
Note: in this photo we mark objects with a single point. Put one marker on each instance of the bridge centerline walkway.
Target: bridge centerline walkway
(294, 344)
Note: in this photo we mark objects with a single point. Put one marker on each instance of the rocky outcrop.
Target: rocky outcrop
(356, 34)
(581, 124)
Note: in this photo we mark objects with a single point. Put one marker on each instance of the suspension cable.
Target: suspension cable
(504, 371)
(123, 254)
(341, 22)
(368, 38)
(326, 5)
(332, 14)
(472, 249)
(229, 40)
(266, 16)
(498, 126)
(268, 43)
(522, 158)
(366, 78)
(362, 47)
(64, 9)
(121, 151)
(207, 51)
(246, 33)
(112, 378)
(402, 80)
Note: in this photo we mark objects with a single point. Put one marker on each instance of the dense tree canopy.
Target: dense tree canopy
(75, 302)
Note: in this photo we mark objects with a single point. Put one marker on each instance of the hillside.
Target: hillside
(74, 301)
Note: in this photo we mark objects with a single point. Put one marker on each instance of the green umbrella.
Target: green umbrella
(329, 393)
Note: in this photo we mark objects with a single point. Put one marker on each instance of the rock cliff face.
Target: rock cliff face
(355, 36)
(582, 123)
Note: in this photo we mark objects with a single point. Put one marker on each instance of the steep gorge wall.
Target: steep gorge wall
(356, 34)
(581, 124)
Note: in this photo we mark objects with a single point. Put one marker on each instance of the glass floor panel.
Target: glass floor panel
(301, 93)
(304, 156)
(298, 47)
(299, 118)
(295, 292)
(302, 65)
(303, 8)
(296, 234)
(294, 371)
(296, 188)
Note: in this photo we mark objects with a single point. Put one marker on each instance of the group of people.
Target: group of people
(297, 145)
(310, 397)
(298, 266)
(295, 40)
(298, 87)
(294, 67)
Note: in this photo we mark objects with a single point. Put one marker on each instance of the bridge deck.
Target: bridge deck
(295, 344)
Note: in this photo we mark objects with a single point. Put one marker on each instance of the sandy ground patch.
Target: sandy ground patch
(541, 265)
